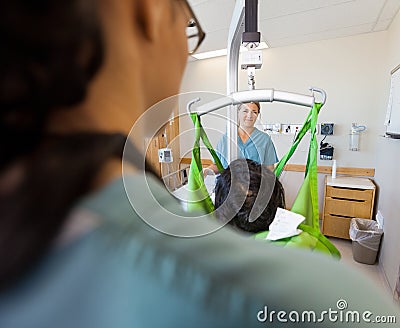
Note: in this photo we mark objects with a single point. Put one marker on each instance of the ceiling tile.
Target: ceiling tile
(271, 9)
(322, 19)
(215, 41)
(294, 21)
(390, 9)
(323, 35)
(215, 15)
(382, 25)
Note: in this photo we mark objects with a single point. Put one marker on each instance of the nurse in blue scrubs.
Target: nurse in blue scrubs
(252, 143)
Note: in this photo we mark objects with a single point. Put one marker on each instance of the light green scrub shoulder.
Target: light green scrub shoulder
(259, 148)
(125, 273)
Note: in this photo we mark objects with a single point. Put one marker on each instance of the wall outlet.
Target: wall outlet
(277, 128)
(379, 219)
(286, 129)
(295, 128)
(270, 128)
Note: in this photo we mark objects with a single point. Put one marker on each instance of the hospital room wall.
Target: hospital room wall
(387, 176)
(350, 69)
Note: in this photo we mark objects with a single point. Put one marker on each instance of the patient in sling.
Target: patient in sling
(247, 194)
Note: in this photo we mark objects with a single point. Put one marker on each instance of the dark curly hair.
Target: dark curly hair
(245, 189)
(51, 50)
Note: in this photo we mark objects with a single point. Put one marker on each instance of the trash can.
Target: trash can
(366, 238)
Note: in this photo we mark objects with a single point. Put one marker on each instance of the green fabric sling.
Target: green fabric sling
(199, 199)
(306, 202)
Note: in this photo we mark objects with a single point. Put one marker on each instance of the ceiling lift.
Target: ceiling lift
(306, 202)
(243, 29)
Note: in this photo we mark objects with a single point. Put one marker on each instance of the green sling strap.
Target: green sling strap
(199, 199)
(306, 202)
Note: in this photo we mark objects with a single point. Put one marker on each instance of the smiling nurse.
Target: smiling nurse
(252, 143)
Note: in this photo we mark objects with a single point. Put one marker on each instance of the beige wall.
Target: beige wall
(351, 70)
(387, 172)
(354, 71)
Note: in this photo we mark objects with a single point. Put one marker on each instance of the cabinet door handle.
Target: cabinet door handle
(341, 216)
(349, 200)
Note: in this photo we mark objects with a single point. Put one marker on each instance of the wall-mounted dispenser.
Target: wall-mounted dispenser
(354, 136)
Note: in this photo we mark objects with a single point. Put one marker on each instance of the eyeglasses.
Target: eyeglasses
(194, 33)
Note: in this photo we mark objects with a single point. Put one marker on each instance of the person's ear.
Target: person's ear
(149, 16)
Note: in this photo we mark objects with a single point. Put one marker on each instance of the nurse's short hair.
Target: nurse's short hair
(241, 106)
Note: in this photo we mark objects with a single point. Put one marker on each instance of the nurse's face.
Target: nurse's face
(248, 114)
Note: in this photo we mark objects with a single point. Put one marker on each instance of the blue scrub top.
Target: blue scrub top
(259, 148)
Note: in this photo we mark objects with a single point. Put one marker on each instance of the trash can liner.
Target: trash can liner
(366, 233)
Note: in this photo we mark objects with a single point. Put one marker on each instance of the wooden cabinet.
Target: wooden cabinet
(346, 198)
(169, 172)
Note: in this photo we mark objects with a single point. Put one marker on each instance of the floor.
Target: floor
(373, 271)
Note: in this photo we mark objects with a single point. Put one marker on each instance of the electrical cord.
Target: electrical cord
(322, 141)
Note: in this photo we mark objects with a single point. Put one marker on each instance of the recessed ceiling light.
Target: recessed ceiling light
(223, 52)
(210, 54)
